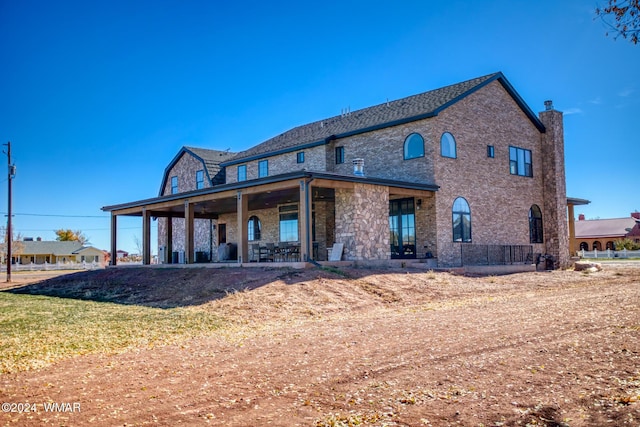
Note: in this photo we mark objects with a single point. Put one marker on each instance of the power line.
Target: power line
(58, 215)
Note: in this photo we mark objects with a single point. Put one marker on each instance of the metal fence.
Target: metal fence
(473, 254)
(609, 254)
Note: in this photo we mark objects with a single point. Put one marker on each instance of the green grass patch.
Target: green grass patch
(36, 331)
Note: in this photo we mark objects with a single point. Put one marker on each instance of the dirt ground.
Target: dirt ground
(356, 347)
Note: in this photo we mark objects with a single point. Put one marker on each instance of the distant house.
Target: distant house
(446, 175)
(51, 252)
(601, 234)
(122, 254)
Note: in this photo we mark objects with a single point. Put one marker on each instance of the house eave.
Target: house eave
(302, 174)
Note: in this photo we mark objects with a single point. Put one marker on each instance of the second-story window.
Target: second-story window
(263, 168)
(520, 161)
(413, 146)
(339, 155)
(300, 157)
(242, 173)
(448, 145)
(199, 179)
(174, 185)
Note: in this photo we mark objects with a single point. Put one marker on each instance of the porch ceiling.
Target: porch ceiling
(262, 193)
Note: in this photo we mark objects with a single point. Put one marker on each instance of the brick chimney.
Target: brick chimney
(581, 217)
(635, 215)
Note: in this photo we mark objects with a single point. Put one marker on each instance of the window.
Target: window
(584, 246)
(174, 185)
(199, 179)
(520, 161)
(242, 173)
(448, 145)
(253, 228)
(263, 168)
(461, 219)
(597, 246)
(535, 225)
(300, 157)
(339, 155)
(413, 146)
(491, 152)
(289, 223)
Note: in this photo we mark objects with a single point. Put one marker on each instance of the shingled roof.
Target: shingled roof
(412, 108)
(211, 160)
(53, 247)
(598, 228)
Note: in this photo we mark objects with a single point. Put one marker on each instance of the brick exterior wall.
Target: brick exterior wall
(499, 201)
(314, 160)
(383, 153)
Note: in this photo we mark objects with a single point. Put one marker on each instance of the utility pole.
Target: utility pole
(11, 175)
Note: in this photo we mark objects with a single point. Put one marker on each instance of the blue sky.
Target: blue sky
(98, 96)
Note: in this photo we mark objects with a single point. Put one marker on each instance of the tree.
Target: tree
(16, 244)
(626, 18)
(71, 236)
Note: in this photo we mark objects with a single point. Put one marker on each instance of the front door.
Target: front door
(402, 225)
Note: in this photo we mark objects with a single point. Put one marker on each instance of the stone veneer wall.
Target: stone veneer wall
(554, 211)
(362, 222)
(204, 241)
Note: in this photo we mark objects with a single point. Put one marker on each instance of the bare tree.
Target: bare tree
(138, 243)
(17, 246)
(623, 18)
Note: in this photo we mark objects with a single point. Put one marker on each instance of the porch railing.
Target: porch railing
(474, 254)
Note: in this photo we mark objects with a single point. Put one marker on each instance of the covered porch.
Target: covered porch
(288, 218)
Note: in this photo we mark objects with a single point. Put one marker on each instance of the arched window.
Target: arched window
(610, 245)
(448, 145)
(535, 225)
(413, 146)
(461, 219)
(597, 246)
(253, 228)
(584, 246)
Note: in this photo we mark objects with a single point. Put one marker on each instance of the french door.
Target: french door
(402, 225)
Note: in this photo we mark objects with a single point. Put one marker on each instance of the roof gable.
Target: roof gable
(405, 110)
(210, 159)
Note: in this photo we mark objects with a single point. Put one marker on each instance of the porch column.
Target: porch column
(305, 221)
(114, 239)
(169, 250)
(243, 246)
(188, 232)
(572, 231)
(146, 236)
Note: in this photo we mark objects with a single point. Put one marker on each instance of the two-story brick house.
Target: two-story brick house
(431, 175)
